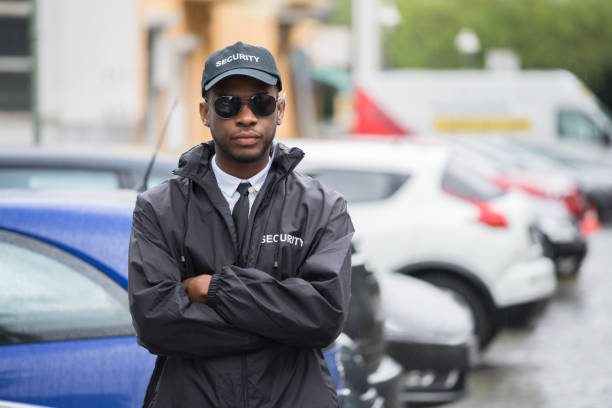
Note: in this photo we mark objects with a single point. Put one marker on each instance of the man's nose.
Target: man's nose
(246, 117)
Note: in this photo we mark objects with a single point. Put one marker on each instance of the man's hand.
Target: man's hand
(197, 287)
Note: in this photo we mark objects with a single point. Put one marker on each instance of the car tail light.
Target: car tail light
(589, 224)
(574, 201)
(488, 214)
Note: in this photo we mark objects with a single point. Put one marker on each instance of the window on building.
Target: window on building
(15, 59)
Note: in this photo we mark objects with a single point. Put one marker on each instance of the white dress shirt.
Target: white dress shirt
(228, 184)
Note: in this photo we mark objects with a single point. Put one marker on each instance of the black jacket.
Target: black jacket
(270, 309)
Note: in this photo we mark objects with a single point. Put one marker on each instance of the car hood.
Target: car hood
(417, 311)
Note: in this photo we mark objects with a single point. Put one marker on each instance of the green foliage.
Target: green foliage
(570, 34)
(342, 13)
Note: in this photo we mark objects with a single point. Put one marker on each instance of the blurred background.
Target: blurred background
(471, 139)
(95, 72)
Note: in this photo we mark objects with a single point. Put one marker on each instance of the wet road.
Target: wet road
(565, 359)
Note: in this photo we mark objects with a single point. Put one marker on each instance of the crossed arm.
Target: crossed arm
(237, 309)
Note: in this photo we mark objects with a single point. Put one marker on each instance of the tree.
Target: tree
(572, 34)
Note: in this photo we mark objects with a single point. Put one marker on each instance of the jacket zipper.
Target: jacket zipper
(246, 246)
(244, 382)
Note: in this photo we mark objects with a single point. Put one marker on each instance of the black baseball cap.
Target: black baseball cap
(240, 59)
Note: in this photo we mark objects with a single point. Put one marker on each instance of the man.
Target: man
(239, 267)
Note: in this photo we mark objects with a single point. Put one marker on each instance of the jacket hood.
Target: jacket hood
(194, 163)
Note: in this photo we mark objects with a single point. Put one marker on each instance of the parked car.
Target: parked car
(358, 390)
(435, 347)
(517, 169)
(421, 213)
(365, 325)
(562, 239)
(66, 332)
(592, 174)
(431, 334)
(558, 204)
(106, 169)
(66, 336)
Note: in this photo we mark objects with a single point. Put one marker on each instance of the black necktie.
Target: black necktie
(241, 211)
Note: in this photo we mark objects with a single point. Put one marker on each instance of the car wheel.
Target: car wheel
(484, 321)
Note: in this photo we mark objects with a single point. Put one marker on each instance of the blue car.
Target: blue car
(66, 336)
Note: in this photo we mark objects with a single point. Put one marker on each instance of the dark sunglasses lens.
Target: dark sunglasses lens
(227, 106)
(262, 105)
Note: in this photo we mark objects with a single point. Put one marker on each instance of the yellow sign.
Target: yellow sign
(481, 124)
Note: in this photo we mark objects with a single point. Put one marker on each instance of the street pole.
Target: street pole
(366, 43)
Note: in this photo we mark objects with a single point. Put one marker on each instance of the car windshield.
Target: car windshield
(607, 113)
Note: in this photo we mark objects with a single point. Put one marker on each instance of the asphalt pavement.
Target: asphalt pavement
(564, 359)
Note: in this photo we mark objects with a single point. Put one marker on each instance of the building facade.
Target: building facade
(110, 72)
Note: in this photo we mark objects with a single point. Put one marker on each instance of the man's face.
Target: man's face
(244, 138)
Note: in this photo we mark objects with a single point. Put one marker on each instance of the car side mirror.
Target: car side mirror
(606, 140)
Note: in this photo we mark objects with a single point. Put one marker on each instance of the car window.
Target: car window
(578, 126)
(360, 185)
(461, 179)
(48, 294)
(38, 178)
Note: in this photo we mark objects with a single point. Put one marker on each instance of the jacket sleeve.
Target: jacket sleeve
(307, 310)
(166, 322)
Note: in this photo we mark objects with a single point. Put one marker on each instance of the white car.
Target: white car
(431, 334)
(419, 212)
(425, 329)
(558, 205)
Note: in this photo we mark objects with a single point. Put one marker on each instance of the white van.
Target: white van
(544, 106)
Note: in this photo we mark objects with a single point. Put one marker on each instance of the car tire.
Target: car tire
(485, 326)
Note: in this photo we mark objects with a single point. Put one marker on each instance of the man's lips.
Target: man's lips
(246, 139)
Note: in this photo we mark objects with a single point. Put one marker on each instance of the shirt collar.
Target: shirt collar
(228, 183)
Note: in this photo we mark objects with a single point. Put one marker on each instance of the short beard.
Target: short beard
(243, 160)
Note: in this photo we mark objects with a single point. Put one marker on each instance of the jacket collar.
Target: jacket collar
(195, 162)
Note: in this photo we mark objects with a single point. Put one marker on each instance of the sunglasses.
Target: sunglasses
(230, 106)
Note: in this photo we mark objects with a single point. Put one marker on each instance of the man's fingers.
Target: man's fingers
(197, 288)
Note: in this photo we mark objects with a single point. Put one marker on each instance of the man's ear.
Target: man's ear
(281, 109)
(204, 110)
